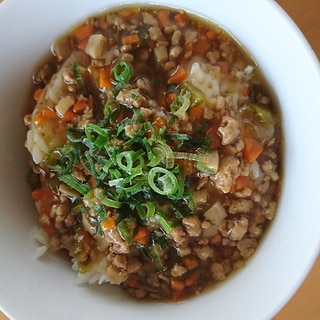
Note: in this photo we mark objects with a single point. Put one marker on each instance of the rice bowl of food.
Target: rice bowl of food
(157, 157)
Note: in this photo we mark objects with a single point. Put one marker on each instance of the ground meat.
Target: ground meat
(229, 170)
(178, 271)
(118, 244)
(193, 226)
(238, 206)
(132, 97)
(247, 247)
(229, 130)
(220, 270)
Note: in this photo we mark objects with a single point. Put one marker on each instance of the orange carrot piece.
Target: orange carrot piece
(49, 114)
(83, 32)
(188, 46)
(192, 279)
(132, 282)
(190, 262)
(79, 105)
(245, 91)
(90, 102)
(177, 284)
(164, 18)
(216, 239)
(159, 122)
(37, 194)
(68, 116)
(224, 66)
(171, 96)
(211, 35)
(39, 119)
(51, 230)
(241, 183)
(196, 112)
(82, 44)
(108, 223)
(141, 236)
(201, 47)
(178, 75)
(104, 77)
(252, 149)
(130, 39)
(37, 94)
(181, 17)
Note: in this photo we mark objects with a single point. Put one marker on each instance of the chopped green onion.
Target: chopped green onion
(181, 104)
(164, 221)
(162, 181)
(73, 183)
(208, 162)
(126, 228)
(122, 72)
(146, 210)
(78, 76)
(111, 203)
(196, 95)
(61, 159)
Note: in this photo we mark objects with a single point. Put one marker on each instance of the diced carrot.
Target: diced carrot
(49, 114)
(37, 94)
(192, 278)
(201, 47)
(177, 284)
(245, 91)
(241, 183)
(164, 18)
(188, 47)
(196, 112)
(132, 282)
(252, 149)
(104, 77)
(68, 116)
(224, 66)
(39, 119)
(178, 75)
(211, 35)
(90, 102)
(37, 194)
(171, 96)
(83, 32)
(190, 262)
(181, 17)
(79, 105)
(51, 230)
(130, 39)
(216, 238)
(142, 235)
(128, 14)
(108, 223)
(159, 122)
(82, 44)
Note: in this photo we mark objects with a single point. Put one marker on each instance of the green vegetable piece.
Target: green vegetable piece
(73, 183)
(61, 159)
(162, 181)
(126, 228)
(79, 79)
(196, 95)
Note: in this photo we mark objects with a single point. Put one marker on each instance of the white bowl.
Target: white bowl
(46, 289)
